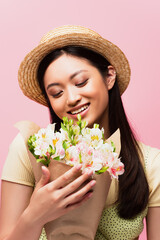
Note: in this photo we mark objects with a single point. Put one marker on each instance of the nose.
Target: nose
(73, 97)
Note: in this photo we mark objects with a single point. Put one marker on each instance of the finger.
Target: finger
(73, 186)
(79, 203)
(44, 178)
(78, 196)
(67, 177)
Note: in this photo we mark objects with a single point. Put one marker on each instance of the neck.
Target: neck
(104, 123)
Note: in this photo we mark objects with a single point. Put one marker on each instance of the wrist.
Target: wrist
(31, 220)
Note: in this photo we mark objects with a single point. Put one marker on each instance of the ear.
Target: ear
(110, 77)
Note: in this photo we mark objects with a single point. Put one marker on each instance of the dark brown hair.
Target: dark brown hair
(133, 186)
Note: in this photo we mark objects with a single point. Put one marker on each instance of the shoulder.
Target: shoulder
(17, 147)
(17, 167)
(152, 169)
(151, 156)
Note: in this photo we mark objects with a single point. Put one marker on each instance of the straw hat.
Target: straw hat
(63, 36)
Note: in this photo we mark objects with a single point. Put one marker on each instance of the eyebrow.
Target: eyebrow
(71, 77)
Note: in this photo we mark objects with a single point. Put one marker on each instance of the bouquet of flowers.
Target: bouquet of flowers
(72, 145)
(76, 144)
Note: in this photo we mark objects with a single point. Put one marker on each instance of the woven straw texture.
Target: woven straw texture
(70, 35)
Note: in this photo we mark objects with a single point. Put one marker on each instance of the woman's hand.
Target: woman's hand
(24, 213)
(52, 200)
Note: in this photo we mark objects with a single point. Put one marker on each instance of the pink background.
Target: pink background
(132, 25)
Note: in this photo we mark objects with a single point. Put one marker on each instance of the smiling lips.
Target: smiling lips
(79, 110)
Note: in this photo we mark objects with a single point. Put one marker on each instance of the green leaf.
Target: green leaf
(70, 132)
(84, 124)
(63, 127)
(96, 125)
(51, 150)
(74, 142)
(57, 158)
(113, 145)
(104, 169)
(64, 144)
(103, 137)
(43, 161)
(80, 158)
(79, 117)
(70, 122)
(40, 159)
(65, 120)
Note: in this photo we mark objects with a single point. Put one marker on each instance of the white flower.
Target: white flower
(46, 134)
(64, 134)
(97, 164)
(72, 156)
(116, 169)
(93, 137)
(60, 150)
(41, 148)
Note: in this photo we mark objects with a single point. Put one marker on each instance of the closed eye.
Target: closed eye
(57, 94)
(82, 83)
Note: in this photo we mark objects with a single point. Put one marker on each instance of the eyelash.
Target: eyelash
(57, 94)
(82, 83)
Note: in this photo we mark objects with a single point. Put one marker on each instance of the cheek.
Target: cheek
(99, 91)
(98, 85)
(101, 97)
(58, 107)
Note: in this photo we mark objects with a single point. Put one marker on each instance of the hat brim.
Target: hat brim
(27, 74)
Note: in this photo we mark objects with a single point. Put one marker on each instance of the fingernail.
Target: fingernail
(93, 182)
(89, 172)
(43, 170)
(79, 166)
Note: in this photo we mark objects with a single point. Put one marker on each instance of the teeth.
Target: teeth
(80, 110)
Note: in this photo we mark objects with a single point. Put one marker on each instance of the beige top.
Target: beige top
(18, 168)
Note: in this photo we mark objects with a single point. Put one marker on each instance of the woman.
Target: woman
(74, 70)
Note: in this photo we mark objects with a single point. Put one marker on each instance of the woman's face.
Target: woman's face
(74, 87)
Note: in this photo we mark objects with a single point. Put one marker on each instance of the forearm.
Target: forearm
(25, 229)
(153, 219)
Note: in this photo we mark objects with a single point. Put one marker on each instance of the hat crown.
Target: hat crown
(67, 29)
